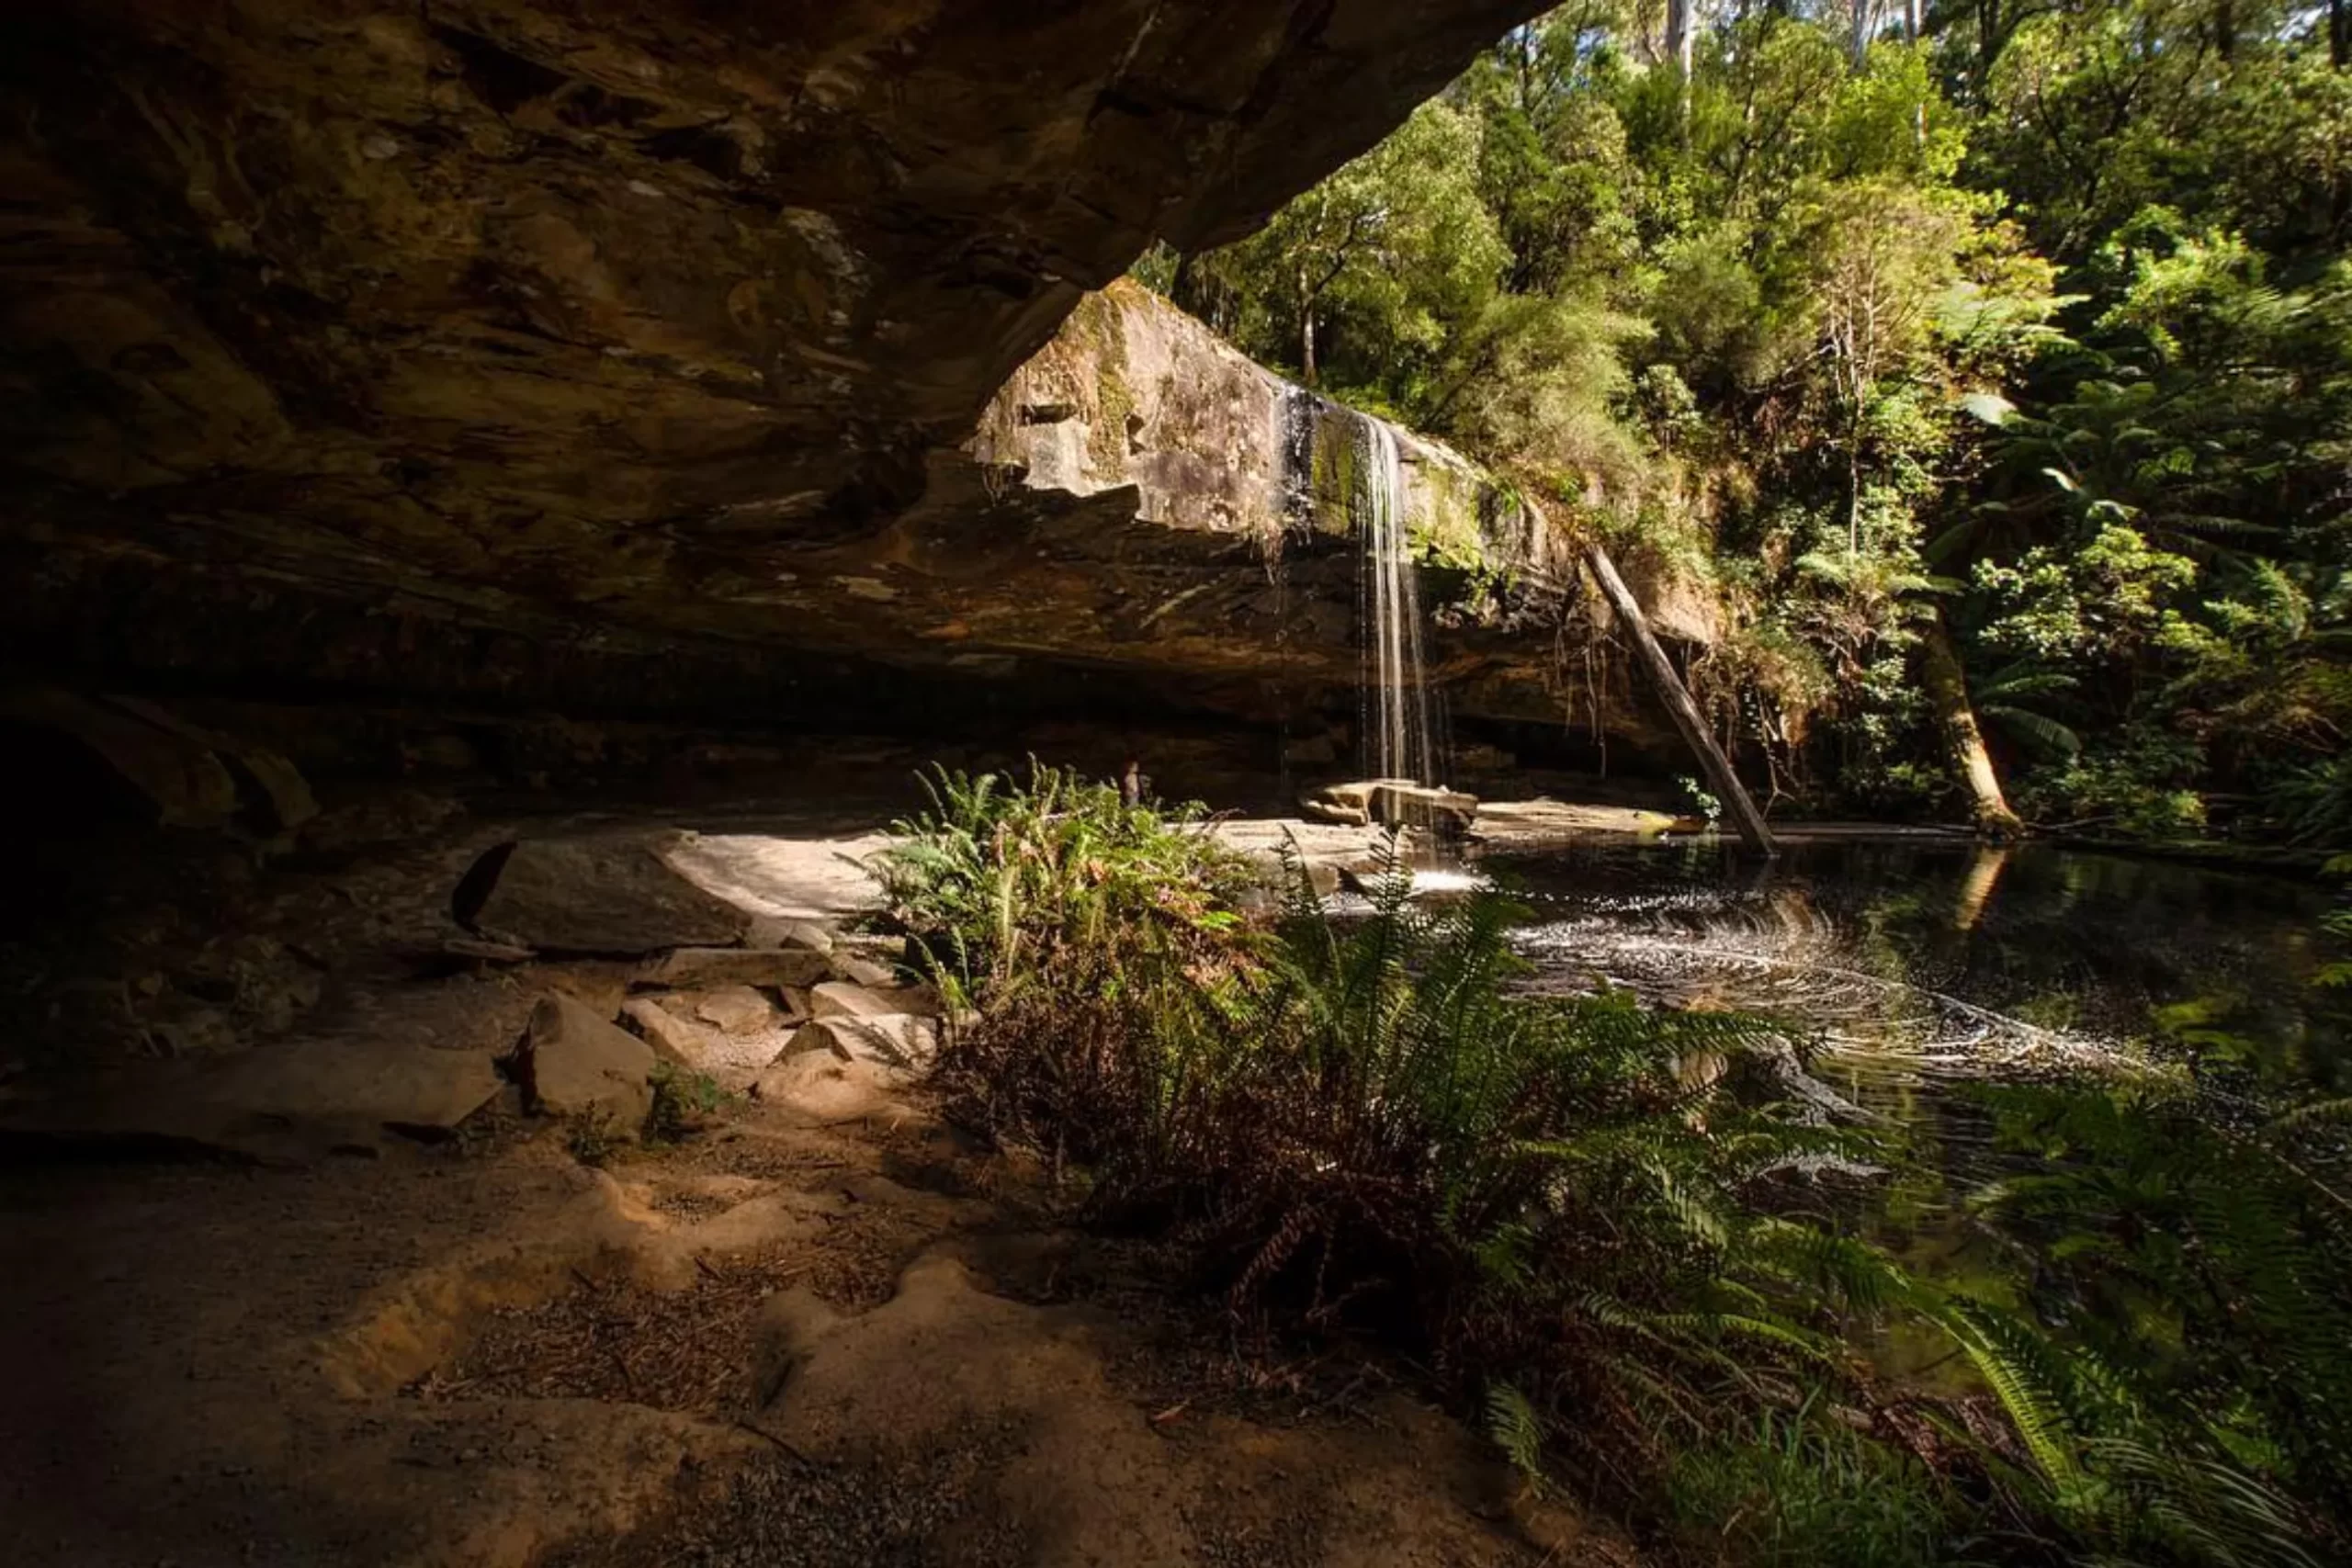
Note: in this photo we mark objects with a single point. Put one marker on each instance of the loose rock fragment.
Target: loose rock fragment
(575, 1064)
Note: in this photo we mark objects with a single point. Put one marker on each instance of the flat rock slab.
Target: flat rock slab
(900, 1042)
(840, 998)
(785, 879)
(296, 1100)
(403, 1087)
(1505, 823)
(574, 1063)
(738, 1010)
(615, 895)
(705, 968)
(867, 972)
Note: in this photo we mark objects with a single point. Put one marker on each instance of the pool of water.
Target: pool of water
(1920, 959)
(1918, 966)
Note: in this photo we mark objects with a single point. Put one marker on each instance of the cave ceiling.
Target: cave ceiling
(634, 324)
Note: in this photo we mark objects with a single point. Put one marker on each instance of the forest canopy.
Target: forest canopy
(1997, 354)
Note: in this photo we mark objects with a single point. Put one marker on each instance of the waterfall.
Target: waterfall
(1396, 731)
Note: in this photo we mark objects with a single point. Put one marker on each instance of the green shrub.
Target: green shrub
(682, 1098)
(1577, 1197)
(1360, 1120)
(591, 1139)
(1077, 922)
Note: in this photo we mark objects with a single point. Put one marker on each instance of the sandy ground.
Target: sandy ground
(284, 1337)
(778, 1343)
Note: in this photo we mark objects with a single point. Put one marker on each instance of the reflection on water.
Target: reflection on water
(1919, 961)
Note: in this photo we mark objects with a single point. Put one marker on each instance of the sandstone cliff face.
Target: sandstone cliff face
(1133, 391)
(638, 327)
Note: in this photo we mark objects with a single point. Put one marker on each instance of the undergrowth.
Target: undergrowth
(1601, 1224)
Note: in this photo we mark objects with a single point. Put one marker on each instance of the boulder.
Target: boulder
(573, 1062)
(611, 896)
(183, 782)
(1391, 803)
(1319, 810)
(705, 968)
(1345, 804)
(900, 1042)
(273, 793)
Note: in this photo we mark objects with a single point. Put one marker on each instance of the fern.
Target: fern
(1517, 1429)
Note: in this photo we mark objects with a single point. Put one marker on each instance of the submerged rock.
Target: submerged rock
(614, 895)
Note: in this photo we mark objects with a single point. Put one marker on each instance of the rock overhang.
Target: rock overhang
(636, 327)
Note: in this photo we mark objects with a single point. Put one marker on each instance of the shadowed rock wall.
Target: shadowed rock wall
(629, 326)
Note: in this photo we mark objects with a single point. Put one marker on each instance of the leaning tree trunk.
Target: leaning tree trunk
(1738, 804)
(1948, 691)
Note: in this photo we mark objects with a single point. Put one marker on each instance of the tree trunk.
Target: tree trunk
(1738, 804)
(1948, 691)
(1681, 46)
(1988, 45)
(2339, 33)
(1865, 13)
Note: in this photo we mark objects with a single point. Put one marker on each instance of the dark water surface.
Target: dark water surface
(1918, 966)
(1921, 965)
(1928, 959)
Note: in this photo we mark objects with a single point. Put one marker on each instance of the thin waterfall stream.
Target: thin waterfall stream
(1396, 732)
